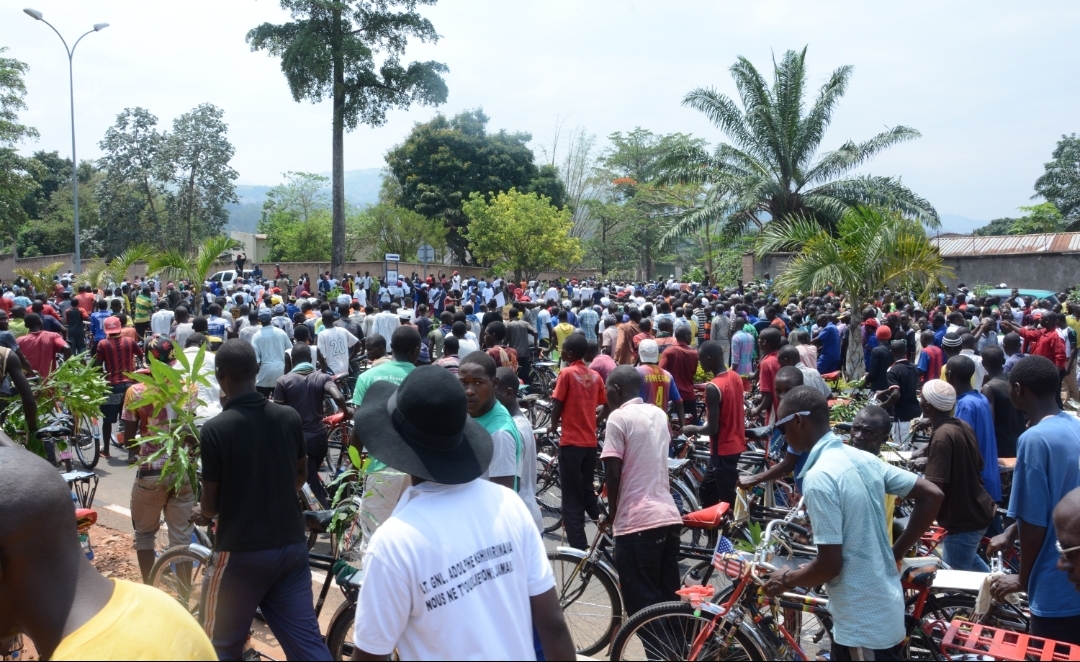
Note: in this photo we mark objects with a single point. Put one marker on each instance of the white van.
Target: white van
(228, 278)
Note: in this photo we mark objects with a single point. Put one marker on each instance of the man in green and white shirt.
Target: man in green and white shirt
(477, 373)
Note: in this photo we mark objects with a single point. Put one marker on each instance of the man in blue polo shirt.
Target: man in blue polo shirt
(845, 493)
(1047, 468)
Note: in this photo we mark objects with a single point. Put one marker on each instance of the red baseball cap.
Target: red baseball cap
(112, 326)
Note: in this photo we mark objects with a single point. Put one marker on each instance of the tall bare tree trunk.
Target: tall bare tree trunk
(337, 185)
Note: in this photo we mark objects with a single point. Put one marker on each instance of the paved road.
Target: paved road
(112, 502)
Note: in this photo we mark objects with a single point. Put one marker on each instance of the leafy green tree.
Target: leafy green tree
(442, 162)
(301, 195)
(610, 248)
(17, 174)
(770, 166)
(1060, 183)
(131, 195)
(329, 50)
(630, 167)
(12, 91)
(52, 231)
(1039, 218)
(996, 227)
(520, 232)
(297, 221)
(870, 250)
(194, 166)
(292, 240)
(388, 229)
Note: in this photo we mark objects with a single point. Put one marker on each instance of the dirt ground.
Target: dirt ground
(115, 558)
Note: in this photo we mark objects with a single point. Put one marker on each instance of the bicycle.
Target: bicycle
(588, 585)
(179, 572)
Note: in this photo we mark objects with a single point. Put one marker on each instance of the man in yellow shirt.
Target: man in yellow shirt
(51, 593)
(563, 329)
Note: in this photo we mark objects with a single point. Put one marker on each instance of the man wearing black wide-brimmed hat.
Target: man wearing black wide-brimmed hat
(459, 571)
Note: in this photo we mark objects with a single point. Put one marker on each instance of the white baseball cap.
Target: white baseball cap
(649, 351)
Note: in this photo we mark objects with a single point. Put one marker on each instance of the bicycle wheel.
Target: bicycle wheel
(87, 443)
(671, 631)
(549, 494)
(339, 636)
(590, 601)
(335, 446)
(179, 573)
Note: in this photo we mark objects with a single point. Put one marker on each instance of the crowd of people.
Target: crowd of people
(456, 566)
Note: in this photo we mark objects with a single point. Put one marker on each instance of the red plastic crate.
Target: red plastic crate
(967, 637)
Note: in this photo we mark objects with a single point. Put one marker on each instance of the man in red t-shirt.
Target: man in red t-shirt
(725, 423)
(85, 300)
(578, 392)
(769, 342)
(117, 355)
(41, 347)
(681, 360)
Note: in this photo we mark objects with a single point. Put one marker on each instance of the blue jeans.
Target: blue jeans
(961, 551)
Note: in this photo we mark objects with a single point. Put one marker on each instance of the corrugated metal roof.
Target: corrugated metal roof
(954, 246)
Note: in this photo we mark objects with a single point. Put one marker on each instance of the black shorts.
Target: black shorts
(110, 411)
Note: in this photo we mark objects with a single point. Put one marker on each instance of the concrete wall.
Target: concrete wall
(1045, 271)
(1059, 272)
(296, 269)
(772, 264)
(8, 265)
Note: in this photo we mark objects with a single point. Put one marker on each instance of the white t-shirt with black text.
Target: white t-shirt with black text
(450, 574)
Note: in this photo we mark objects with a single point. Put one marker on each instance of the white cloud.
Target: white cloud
(988, 84)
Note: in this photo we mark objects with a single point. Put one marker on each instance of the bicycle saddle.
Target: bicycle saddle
(53, 431)
(318, 520)
(676, 465)
(831, 376)
(920, 575)
(763, 432)
(707, 518)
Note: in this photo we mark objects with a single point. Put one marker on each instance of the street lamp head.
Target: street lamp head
(98, 27)
(34, 14)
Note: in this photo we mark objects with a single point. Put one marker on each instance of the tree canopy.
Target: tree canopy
(168, 189)
(17, 174)
(1060, 182)
(772, 167)
(520, 232)
(442, 162)
(332, 49)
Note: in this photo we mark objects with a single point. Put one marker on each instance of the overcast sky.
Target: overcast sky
(991, 85)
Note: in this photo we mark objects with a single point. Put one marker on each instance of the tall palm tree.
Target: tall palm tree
(771, 168)
(870, 251)
(196, 269)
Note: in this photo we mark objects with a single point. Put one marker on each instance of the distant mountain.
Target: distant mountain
(361, 190)
(958, 224)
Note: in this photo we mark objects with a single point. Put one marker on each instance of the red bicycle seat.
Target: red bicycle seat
(707, 518)
(831, 376)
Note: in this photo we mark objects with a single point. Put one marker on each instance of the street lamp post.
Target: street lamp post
(98, 27)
